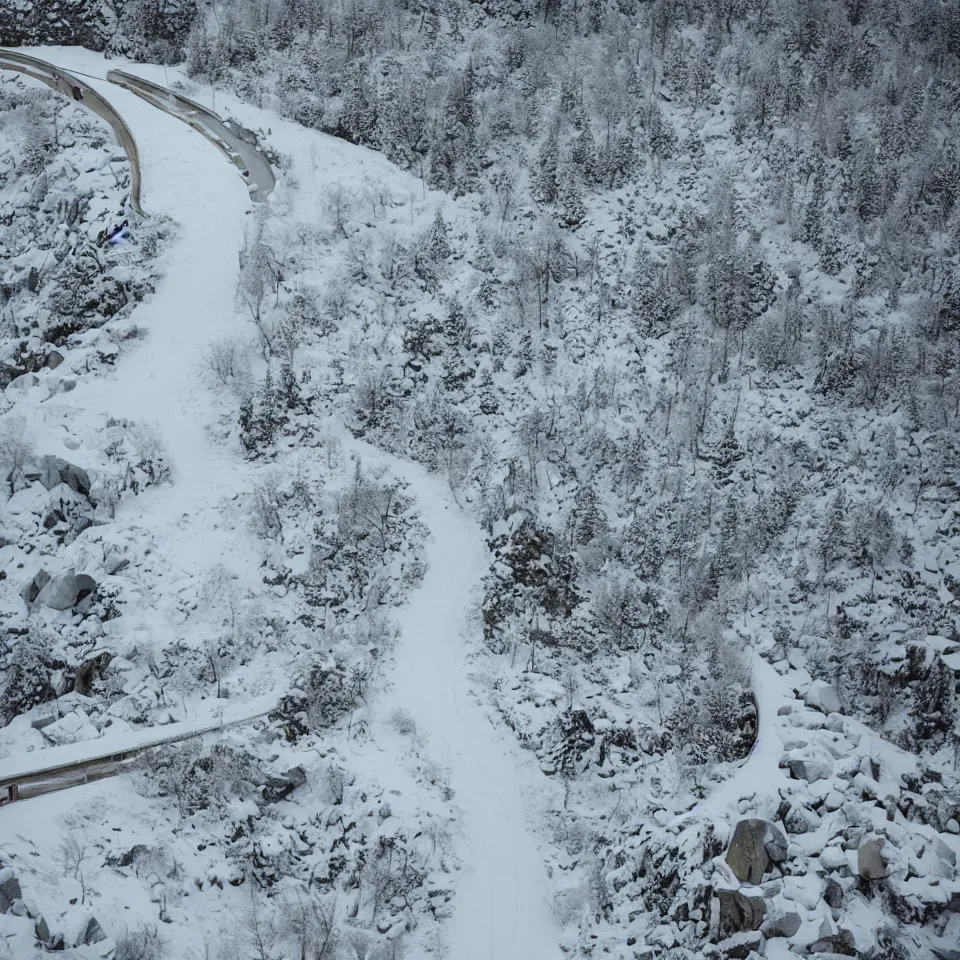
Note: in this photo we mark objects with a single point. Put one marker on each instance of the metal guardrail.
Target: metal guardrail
(76, 89)
(41, 776)
(253, 166)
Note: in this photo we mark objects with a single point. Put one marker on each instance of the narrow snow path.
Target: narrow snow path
(502, 909)
(760, 773)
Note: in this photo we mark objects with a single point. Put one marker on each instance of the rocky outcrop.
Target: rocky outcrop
(54, 471)
(756, 846)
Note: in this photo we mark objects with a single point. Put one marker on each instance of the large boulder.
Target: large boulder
(55, 470)
(739, 912)
(9, 890)
(784, 924)
(871, 863)
(823, 696)
(63, 590)
(809, 770)
(755, 847)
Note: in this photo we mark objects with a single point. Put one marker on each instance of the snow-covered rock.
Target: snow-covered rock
(871, 862)
(63, 589)
(756, 845)
(90, 933)
(785, 923)
(823, 696)
(9, 889)
(55, 470)
(810, 770)
(740, 911)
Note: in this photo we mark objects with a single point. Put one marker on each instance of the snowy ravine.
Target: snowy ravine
(502, 909)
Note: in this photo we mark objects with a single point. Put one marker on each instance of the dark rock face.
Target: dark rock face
(31, 589)
(833, 894)
(129, 857)
(841, 943)
(809, 770)
(55, 470)
(755, 847)
(739, 912)
(9, 890)
(92, 933)
(279, 788)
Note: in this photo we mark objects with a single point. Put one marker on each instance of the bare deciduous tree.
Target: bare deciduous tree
(226, 359)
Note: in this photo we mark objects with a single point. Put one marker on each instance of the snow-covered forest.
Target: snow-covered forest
(574, 433)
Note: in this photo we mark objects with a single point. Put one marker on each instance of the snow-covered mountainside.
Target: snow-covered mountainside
(568, 448)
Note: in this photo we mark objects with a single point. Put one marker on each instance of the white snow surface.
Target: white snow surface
(760, 773)
(502, 909)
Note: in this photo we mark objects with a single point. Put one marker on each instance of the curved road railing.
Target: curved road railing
(57, 768)
(251, 163)
(74, 87)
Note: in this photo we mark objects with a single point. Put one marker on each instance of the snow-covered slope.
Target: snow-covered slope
(501, 906)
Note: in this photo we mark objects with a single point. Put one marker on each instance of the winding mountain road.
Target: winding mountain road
(235, 144)
(185, 180)
(251, 163)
